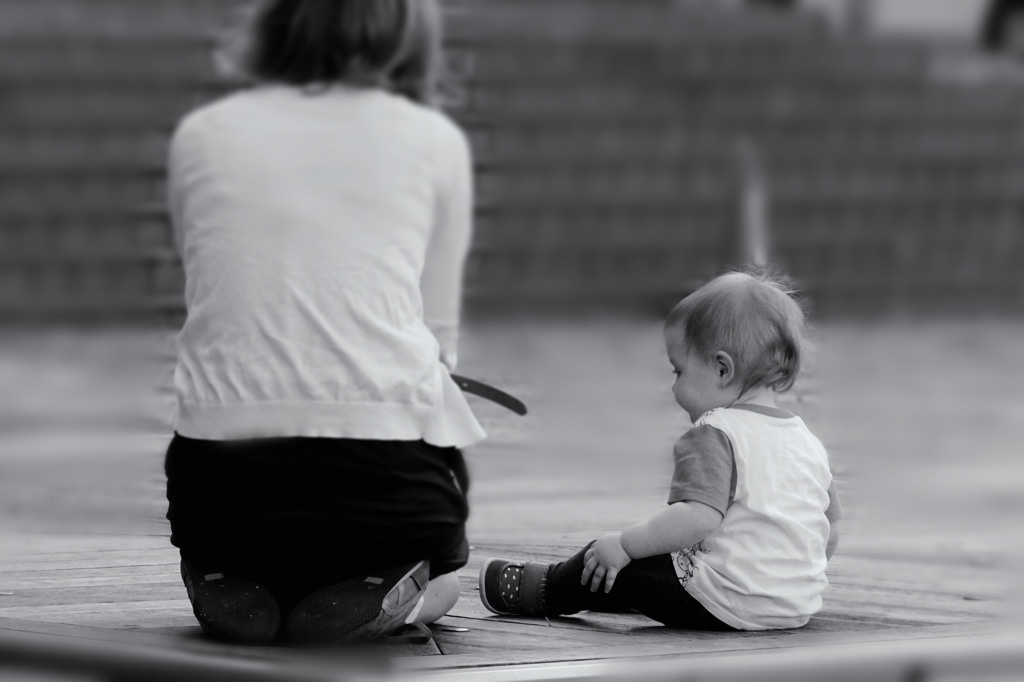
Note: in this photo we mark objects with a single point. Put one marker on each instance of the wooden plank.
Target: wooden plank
(950, 657)
(912, 602)
(137, 590)
(682, 644)
(185, 639)
(134, 636)
(196, 660)
(87, 560)
(86, 576)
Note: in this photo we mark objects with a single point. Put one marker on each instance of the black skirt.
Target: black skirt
(297, 514)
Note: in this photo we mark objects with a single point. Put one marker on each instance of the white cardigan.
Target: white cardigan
(323, 236)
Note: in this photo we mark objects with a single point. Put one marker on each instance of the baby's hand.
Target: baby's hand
(604, 560)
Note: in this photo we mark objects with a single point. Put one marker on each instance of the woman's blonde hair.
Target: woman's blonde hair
(394, 44)
(754, 317)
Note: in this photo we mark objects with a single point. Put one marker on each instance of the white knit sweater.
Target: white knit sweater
(323, 236)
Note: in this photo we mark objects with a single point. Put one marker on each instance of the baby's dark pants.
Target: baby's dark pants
(649, 586)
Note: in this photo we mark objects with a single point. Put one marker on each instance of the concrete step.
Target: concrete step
(113, 19)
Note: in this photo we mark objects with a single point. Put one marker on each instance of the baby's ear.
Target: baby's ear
(725, 368)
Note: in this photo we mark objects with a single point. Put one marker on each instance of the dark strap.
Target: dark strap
(490, 393)
(532, 586)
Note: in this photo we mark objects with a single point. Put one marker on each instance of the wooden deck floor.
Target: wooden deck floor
(928, 466)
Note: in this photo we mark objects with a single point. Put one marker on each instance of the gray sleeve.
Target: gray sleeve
(705, 470)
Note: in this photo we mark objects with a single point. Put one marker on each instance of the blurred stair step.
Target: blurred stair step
(120, 19)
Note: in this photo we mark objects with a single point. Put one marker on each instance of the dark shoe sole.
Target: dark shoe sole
(361, 608)
(232, 608)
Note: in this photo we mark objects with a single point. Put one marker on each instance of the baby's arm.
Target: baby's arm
(700, 494)
(683, 524)
(833, 514)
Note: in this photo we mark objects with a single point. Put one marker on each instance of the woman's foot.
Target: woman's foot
(232, 608)
(362, 608)
(513, 588)
(441, 596)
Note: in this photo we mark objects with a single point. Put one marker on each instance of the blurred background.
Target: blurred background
(626, 150)
(620, 148)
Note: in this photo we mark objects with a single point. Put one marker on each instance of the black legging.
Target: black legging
(649, 586)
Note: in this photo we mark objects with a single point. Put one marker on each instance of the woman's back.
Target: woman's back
(306, 221)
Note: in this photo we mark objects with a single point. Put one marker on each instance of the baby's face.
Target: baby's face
(698, 386)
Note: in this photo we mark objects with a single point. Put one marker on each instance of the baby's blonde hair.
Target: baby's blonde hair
(754, 317)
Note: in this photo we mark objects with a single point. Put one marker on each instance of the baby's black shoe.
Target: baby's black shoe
(511, 588)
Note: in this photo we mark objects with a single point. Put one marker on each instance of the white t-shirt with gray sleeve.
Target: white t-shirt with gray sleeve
(764, 566)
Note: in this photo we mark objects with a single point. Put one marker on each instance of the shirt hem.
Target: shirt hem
(366, 421)
(734, 622)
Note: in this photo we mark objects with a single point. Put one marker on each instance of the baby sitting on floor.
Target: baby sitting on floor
(752, 515)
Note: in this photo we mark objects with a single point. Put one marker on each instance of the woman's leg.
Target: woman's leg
(367, 606)
(231, 607)
(441, 595)
(294, 518)
(202, 509)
